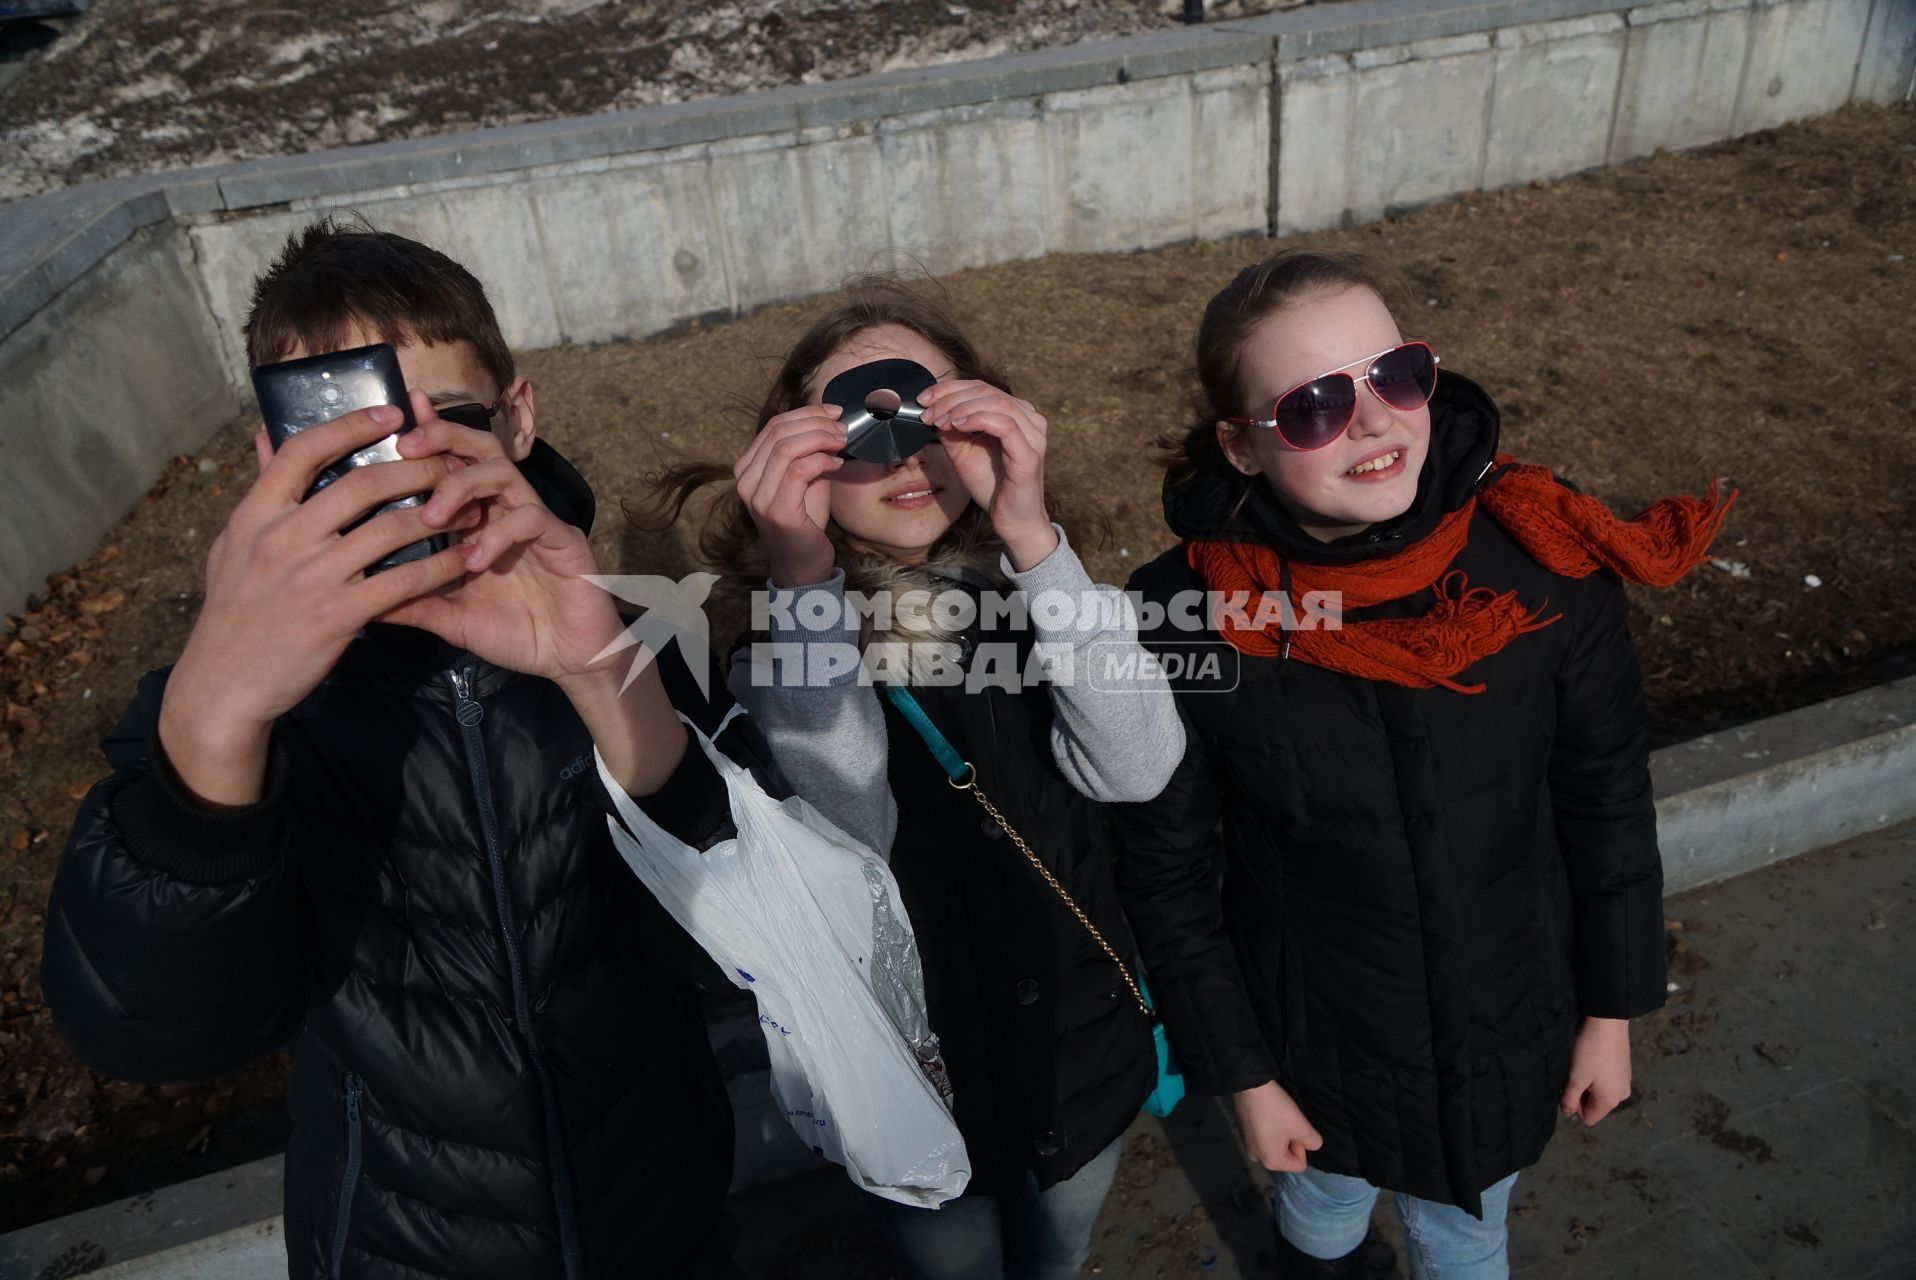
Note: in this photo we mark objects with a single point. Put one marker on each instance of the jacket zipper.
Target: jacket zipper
(350, 1182)
(469, 713)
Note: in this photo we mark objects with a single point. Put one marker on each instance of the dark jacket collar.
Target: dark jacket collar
(1463, 436)
(414, 656)
(560, 486)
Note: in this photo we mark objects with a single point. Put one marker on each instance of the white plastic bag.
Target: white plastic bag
(808, 920)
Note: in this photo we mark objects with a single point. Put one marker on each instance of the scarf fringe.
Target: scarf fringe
(1464, 626)
(1574, 534)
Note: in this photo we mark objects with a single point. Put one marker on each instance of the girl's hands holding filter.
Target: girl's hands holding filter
(1276, 1134)
(996, 444)
(782, 482)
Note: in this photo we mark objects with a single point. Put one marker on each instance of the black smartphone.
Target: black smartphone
(295, 395)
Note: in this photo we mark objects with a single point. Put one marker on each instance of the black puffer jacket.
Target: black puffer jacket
(1050, 1056)
(1422, 891)
(497, 1073)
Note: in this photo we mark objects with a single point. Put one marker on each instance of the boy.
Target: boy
(382, 847)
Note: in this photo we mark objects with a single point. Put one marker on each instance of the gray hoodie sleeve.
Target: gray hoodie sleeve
(825, 727)
(1115, 737)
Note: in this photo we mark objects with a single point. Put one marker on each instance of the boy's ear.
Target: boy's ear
(514, 425)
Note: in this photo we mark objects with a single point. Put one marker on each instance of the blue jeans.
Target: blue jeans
(1032, 1235)
(1327, 1214)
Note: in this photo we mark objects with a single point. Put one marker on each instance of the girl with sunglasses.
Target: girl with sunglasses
(1441, 891)
(1048, 1050)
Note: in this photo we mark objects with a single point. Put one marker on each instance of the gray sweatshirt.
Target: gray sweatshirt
(1113, 743)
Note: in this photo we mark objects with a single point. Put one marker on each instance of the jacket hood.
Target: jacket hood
(1222, 504)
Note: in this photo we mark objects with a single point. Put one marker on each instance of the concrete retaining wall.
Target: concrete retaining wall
(591, 250)
(120, 302)
(116, 373)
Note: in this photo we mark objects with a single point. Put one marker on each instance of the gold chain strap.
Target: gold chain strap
(971, 784)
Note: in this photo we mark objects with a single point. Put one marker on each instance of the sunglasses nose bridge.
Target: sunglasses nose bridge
(1372, 413)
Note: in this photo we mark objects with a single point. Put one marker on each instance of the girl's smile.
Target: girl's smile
(1381, 468)
(912, 496)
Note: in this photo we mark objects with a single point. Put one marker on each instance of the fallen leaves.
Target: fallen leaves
(105, 602)
(52, 641)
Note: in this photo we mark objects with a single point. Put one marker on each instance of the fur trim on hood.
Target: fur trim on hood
(969, 557)
(972, 561)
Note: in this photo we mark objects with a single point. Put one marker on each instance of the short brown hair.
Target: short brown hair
(335, 276)
(1254, 295)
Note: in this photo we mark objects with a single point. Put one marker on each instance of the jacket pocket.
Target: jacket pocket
(350, 1181)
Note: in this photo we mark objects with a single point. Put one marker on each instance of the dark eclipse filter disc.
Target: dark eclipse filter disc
(883, 419)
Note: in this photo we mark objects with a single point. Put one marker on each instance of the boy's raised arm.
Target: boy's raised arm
(173, 947)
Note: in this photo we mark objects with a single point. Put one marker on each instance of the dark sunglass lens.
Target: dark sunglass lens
(1317, 412)
(467, 415)
(1403, 378)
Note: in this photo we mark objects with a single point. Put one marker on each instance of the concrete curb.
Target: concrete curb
(1742, 799)
(244, 1253)
(1730, 802)
(139, 1236)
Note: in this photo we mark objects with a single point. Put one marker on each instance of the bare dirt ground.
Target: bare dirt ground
(143, 85)
(1740, 312)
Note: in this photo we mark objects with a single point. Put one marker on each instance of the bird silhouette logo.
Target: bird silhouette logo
(670, 609)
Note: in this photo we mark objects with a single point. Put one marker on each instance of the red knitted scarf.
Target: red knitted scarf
(1568, 533)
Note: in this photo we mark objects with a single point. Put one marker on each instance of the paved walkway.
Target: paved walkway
(1773, 1131)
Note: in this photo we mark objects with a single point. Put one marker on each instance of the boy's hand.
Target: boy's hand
(1276, 1134)
(1599, 1070)
(285, 593)
(996, 444)
(527, 606)
(781, 480)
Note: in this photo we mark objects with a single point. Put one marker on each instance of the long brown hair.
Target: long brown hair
(728, 540)
(1254, 295)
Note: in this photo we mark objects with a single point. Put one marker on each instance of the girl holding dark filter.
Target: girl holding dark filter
(1048, 1049)
(1441, 893)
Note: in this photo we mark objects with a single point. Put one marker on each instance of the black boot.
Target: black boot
(1371, 1260)
(1380, 1260)
(1294, 1264)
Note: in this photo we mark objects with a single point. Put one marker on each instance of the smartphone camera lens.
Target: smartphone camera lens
(329, 393)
